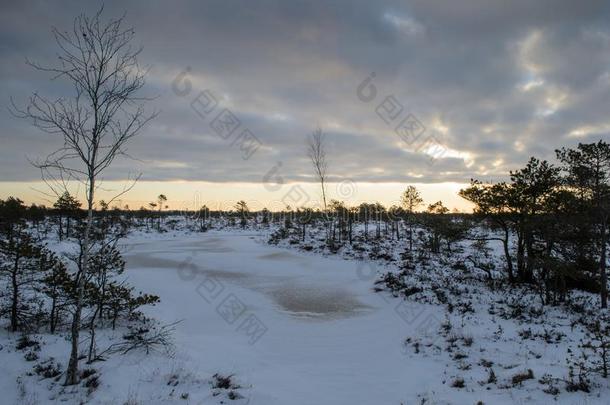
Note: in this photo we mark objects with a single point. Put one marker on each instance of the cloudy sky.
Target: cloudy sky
(455, 90)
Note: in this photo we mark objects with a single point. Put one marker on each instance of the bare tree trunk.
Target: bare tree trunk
(322, 184)
(92, 351)
(520, 256)
(15, 303)
(350, 228)
(53, 316)
(603, 277)
(410, 236)
(72, 371)
(61, 228)
(509, 260)
(529, 261)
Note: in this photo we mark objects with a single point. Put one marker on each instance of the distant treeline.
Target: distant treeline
(551, 220)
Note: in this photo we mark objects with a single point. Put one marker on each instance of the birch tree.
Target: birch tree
(97, 60)
(316, 150)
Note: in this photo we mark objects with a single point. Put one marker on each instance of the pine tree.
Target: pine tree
(411, 199)
(242, 208)
(66, 207)
(57, 285)
(588, 169)
(12, 216)
(19, 256)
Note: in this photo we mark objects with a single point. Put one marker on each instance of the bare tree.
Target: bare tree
(316, 150)
(96, 57)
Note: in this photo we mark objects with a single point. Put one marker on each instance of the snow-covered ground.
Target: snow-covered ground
(324, 336)
(294, 328)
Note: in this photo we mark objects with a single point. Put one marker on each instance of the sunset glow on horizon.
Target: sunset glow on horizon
(191, 195)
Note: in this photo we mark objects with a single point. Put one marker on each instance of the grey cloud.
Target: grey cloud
(302, 62)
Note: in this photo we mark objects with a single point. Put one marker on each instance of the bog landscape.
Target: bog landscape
(305, 203)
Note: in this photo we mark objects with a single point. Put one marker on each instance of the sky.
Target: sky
(423, 92)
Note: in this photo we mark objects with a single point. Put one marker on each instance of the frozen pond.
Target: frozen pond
(322, 335)
(285, 282)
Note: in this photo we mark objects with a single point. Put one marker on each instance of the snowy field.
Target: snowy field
(323, 336)
(294, 327)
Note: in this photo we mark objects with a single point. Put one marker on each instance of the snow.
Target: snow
(328, 336)
(293, 328)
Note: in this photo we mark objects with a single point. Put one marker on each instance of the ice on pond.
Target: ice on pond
(315, 301)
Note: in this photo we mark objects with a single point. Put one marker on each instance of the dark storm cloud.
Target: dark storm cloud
(495, 81)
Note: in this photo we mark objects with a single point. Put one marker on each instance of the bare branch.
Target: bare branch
(97, 59)
(106, 111)
(316, 150)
